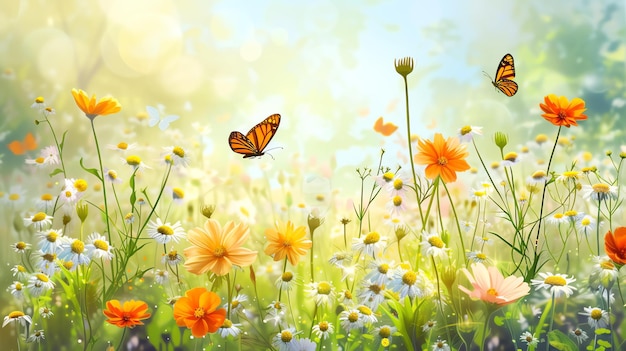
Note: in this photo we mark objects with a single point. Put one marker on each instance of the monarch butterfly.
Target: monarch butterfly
(386, 128)
(505, 75)
(253, 143)
(21, 147)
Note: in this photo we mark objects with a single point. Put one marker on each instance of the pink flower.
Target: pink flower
(491, 286)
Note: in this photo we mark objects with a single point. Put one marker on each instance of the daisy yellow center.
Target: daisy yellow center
(21, 269)
(384, 332)
(525, 149)
(485, 238)
(38, 217)
(49, 257)
(347, 294)
(323, 326)
(571, 174)
(46, 197)
(68, 265)
(481, 256)
(68, 193)
(39, 160)
(539, 175)
(607, 265)
(227, 323)
(511, 157)
(578, 332)
(466, 130)
(365, 310)
(133, 160)
(78, 247)
(495, 164)
(353, 317)
(278, 306)
(20, 245)
(112, 174)
(173, 255)
(479, 193)
(168, 159)
(398, 184)
(42, 277)
(122, 146)
(558, 215)
(388, 176)
(287, 276)
(178, 151)
(440, 344)
(397, 200)
(244, 211)
(442, 161)
(596, 314)
(323, 288)
(219, 251)
(436, 241)
(16, 314)
(301, 205)
(286, 336)
(178, 193)
(80, 185)
(165, 230)
(541, 138)
(409, 278)
(529, 338)
(601, 188)
(199, 312)
(39, 100)
(14, 197)
(375, 288)
(371, 238)
(129, 216)
(555, 280)
(585, 221)
(320, 197)
(101, 245)
(18, 286)
(492, 292)
(383, 268)
(570, 213)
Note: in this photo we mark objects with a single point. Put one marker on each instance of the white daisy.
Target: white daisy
(163, 233)
(557, 284)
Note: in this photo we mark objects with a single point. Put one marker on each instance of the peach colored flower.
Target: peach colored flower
(217, 249)
(615, 245)
(491, 286)
(93, 108)
(128, 315)
(198, 311)
(560, 112)
(287, 241)
(442, 157)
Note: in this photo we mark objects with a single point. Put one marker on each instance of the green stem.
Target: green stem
(104, 188)
(543, 194)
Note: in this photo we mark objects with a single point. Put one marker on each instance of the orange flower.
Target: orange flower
(91, 108)
(442, 157)
(561, 112)
(615, 245)
(217, 250)
(126, 316)
(197, 311)
(287, 241)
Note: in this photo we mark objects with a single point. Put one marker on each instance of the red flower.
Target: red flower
(198, 311)
(615, 245)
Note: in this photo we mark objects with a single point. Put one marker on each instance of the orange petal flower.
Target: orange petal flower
(615, 245)
(198, 311)
(126, 316)
(285, 241)
(93, 108)
(217, 249)
(561, 112)
(442, 157)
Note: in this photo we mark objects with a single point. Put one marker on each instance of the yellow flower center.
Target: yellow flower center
(397, 200)
(398, 184)
(511, 157)
(388, 176)
(596, 314)
(101, 245)
(38, 217)
(39, 160)
(133, 160)
(481, 256)
(353, 317)
(585, 221)
(178, 193)
(492, 292)
(14, 197)
(375, 288)
(68, 265)
(570, 174)
(42, 277)
(46, 197)
(277, 306)
(608, 265)
(555, 280)
(173, 255)
(323, 288)
(235, 303)
(383, 268)
(409, 278)
(436, 241)
(286, 336)
(244, 211)
(178, 151)
(122, 146)
(365, 310)
(384, 342)
(541, 138)
(442, 161)
(112, 174)
(571, 213)
(320, 197)
(227, 323)
(347, 294)
(198, 313)
(21, 269)
(384, 332)
(80, 185)
(165, 230)
(371, 238)
(480, 193)
(16, 314)
(219, 251)
(495, 165)
(466, 130)
(558, 215)
(18, 286)
(287, 276)
(539, 174)
(323, 326)
(601, 188)
(39, 100)
(49, 257)
(68, 193)
(168, 159)
(78, 246)
(20, 245)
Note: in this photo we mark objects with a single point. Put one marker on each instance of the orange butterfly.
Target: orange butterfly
(21, 147)
(253, 143)
(505, 75)
(385, 129)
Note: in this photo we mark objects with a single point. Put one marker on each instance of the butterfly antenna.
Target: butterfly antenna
(487, 75)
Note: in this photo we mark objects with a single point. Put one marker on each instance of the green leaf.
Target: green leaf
(604, 343)
(55, 172)
(90, 170)
(62, 142)
(499, 321)
(560, 341)
(601, 331)
(133, 193)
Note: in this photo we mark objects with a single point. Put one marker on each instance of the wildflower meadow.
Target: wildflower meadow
(144, 208)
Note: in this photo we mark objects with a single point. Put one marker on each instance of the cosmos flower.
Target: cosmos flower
(93, 108)
(199, 311)
(287, 241)
(615, 245)
(491, 286)
(128, 315)
(561, 112)
(443, 158)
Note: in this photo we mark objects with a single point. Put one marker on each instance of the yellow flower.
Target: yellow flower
(93, 108)
(287, 241)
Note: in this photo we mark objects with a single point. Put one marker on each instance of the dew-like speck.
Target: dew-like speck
(80, 341)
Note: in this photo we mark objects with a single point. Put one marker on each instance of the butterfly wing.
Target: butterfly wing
(261, 134)
(18, 147)
(154, 116)
(240, 144)
(165, 122)
(505, 73)
(385, 129)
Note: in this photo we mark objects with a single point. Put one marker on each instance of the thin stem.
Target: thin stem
(543, 194)
(104, 188)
